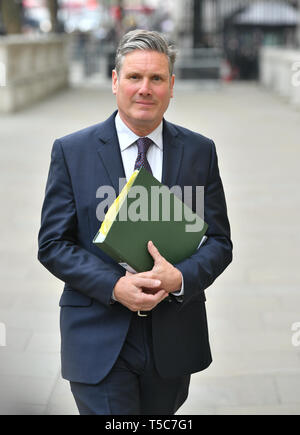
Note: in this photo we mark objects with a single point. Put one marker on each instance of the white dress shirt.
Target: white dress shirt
(129, 151)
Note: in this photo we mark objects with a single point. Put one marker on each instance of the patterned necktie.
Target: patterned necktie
(143, 144)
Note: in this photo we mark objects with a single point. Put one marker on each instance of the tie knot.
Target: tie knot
(143, 144)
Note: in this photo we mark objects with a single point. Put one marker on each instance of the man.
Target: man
(131, 341)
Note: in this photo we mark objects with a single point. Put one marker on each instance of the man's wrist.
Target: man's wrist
(180, 288)
(113, 296)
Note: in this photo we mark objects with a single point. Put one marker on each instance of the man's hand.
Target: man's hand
(129, 292)
(170, 277)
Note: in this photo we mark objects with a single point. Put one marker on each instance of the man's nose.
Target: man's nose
(145, 88)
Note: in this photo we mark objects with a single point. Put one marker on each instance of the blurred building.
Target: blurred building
(215, 37)
(239, 28)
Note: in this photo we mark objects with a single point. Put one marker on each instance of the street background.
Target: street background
(253, 307)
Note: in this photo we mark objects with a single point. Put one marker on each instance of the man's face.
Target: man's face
(143, 89)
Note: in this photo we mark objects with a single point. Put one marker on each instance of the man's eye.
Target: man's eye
(134, 77)
(156, 78)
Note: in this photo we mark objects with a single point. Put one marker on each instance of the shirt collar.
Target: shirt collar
(127, 137)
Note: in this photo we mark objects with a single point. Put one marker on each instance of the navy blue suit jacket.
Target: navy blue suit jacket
(92, 329)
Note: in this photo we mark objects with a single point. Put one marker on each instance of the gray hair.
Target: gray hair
(144, 40)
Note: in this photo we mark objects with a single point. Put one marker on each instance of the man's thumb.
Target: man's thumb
(153, 251)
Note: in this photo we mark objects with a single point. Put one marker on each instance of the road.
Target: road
(251, 308)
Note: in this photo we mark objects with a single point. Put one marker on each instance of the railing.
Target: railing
(280, 72)
(31, 68)
(200, 63)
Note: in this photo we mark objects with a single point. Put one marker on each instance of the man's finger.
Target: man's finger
(149, 274)
(154, 251)
(161, 294)
(148, 298)
(146, 282)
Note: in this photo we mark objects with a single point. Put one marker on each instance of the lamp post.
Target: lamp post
(298, 26)
(197, 23)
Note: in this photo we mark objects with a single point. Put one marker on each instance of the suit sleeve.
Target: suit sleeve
(59, 251)
(202, 268)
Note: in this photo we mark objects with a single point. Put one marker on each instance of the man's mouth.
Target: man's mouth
(145, 103)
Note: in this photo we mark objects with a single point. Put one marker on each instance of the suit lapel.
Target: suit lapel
(172, 154)
(109, 151)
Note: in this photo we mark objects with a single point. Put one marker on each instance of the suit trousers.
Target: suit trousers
(133, 386)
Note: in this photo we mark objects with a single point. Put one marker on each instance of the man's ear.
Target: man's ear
(114, 81)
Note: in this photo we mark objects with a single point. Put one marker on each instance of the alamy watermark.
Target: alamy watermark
(296, 74)
(296, 336)
(2, 334)
(156, 204)
(2, 74)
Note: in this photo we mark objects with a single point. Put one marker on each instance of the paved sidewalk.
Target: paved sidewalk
(251, 307)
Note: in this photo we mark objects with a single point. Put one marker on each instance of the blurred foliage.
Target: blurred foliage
(11, 13)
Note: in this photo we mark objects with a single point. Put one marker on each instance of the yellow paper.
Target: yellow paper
(116, 205)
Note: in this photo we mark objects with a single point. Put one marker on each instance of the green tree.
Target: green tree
(53, 9)
(11, 15)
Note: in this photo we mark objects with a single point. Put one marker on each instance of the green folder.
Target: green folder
(147, 210)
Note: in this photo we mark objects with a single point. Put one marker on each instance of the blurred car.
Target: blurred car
(83, 21)
(37, 18)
